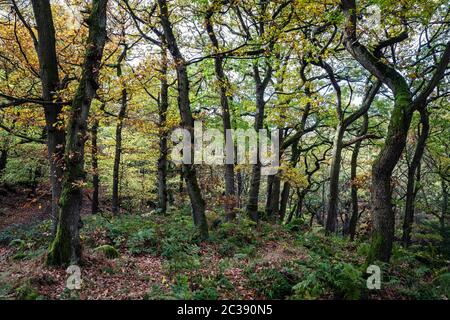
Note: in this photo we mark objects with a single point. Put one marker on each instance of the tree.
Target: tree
(222, 79)
(384, 219)
(189, 172)
(66, 247)
(46, 49)
(95, 173)
(120, 118)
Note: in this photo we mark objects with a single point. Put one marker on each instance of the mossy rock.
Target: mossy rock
(19, 243)
(109, 251)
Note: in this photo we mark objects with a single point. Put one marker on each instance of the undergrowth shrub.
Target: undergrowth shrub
(238, 237)
(271, 283)
(341, 280)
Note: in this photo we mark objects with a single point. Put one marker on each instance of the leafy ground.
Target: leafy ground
(161, 257)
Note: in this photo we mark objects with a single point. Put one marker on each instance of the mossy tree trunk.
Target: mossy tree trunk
(65, 247)
(384, 217)
(404, 106)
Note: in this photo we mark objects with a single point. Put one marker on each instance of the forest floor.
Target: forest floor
(161, 257)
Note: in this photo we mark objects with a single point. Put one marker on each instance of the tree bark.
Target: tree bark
(115, 203)
(66, 248)
(284, 200)
(260, 86)
(3, 160)
(95, 174)
(270, 180)
(444, 205)
(353, 175)
(335, 167)
(230, 192)
(273, 204)
(189, 172)
(294, 142)
(338, 146)
(412, 184)
(163, 105)
(48, 62)
(118, 153)
(273, 209)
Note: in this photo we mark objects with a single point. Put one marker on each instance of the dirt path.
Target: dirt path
(22, 207)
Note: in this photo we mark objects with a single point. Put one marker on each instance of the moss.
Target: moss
(60, 249)
(376, 249)
(26, 292)
(109, 251)
(443, 285)
(17, 243)
(19, 256)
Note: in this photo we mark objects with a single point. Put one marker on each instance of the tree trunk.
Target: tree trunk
(273, 194)
(284, 200)
(163, 148)
(300, 200)
(66, 247)
(230, 193)
(270, 180)
(115, 202)
(384, 216)
(353, 175)
(444, 212)
(240, 188)
(291, 213)
(95, 174)
(3, 160)
(335, 167)
(294, 142)
(189, 172)
(412, 184)
(273, 207)
(46, 51)
(253, 196)
(118, 152)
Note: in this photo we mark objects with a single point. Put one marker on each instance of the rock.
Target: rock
(109, 251)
